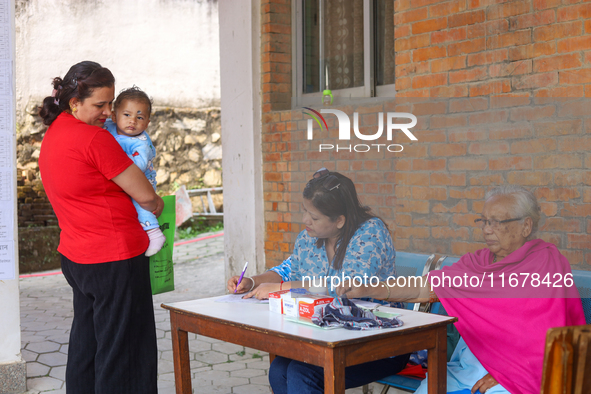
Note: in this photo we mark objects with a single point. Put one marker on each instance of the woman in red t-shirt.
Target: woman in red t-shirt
(89, 181)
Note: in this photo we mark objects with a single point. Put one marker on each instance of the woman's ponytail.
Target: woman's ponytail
(52, 107)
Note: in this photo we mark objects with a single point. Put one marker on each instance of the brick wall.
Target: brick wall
(487, 81)
(34, 209)
(276, 54)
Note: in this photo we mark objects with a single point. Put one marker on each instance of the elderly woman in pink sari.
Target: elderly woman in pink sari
(505, 297)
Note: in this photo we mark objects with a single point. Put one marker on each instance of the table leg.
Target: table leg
(334, 371)
(437, 365)
(180, 351)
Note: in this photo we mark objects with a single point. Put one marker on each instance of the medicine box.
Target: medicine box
(307, 305)
(290, 307)
(276, 300)
(296, 302)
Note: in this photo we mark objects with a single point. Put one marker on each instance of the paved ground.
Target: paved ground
(217, 367)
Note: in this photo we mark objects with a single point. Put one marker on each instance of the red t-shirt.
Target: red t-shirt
(98, 220)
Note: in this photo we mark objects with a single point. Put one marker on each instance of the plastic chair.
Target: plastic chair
(407, 383)
(413, 264)
(408, 264)
(583, 282)
(444, 261)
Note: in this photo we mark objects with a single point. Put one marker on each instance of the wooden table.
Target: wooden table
(252, 325)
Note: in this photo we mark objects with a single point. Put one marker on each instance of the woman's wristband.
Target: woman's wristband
(387, 287)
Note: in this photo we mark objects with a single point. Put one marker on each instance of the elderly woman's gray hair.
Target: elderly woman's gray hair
(526, 204)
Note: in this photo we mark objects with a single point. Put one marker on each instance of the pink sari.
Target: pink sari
(504, 326)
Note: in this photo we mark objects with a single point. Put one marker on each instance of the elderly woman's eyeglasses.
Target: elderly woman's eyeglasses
(331, 182)
(493, 223)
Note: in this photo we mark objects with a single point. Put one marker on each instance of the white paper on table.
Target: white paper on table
(237, 298)
(374, 307)
(364, 304)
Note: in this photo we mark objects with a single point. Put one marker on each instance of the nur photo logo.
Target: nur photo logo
(345, 130)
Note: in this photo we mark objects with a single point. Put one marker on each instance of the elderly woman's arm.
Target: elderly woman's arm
(419, 291)
(133, 182)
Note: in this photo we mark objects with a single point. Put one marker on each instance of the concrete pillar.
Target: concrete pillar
(13, 371)
(241, 142)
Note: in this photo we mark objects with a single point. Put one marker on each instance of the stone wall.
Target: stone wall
(187, 141)
(189, 152)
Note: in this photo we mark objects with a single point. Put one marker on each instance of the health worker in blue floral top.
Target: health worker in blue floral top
(342, 237)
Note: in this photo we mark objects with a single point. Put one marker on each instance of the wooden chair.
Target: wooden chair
(567, 361)
(567, 358)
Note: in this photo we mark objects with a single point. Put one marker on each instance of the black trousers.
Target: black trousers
(112, 346)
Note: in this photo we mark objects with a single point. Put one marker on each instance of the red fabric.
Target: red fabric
(414, 370)
(98, 220)
(505, 327)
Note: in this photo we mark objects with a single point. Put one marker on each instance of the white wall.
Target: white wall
(241, 142)
(169, 48)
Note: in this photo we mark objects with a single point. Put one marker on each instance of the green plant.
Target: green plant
(199, 185)
(174, 187)
(195, 226)
(241, 353)
(257, 355)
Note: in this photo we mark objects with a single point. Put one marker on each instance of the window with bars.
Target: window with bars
(346, 46)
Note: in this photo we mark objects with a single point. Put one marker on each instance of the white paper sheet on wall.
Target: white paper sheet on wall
(5, 186)
(5, 84)
(5, 151)
(6, 260)
(6, 224)
(4, 13)
(7, 147)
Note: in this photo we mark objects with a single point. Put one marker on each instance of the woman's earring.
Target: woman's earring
(73, 109)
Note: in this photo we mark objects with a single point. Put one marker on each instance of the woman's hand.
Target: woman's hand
(484, 384)
(243, 287)
(263, 290)
(133, 182)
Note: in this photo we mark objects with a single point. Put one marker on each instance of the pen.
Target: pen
(241, 276)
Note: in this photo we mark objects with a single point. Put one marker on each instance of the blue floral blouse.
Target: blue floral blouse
(370, 252)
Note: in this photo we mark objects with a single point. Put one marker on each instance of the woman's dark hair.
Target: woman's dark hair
(79, 82)
(341, 200)
(133, 94)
